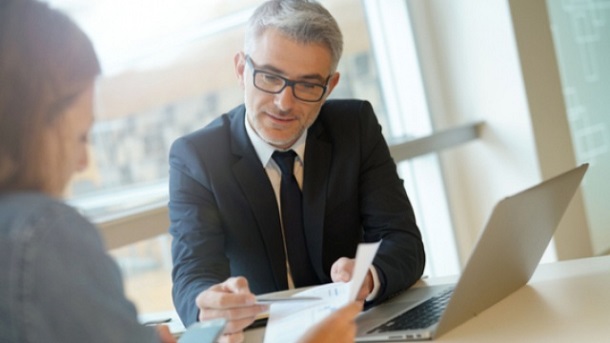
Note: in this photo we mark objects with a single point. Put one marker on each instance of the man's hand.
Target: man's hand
(338, 327)
(233, 301)
(341, 271)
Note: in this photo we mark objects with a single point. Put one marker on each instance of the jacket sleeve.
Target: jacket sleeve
(198, 240)
(386, 212)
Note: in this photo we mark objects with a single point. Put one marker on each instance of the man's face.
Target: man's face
(280, 119)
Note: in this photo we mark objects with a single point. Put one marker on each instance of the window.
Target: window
(582, 45)
(168, 70)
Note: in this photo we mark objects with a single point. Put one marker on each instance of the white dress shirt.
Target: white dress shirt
(264, 152)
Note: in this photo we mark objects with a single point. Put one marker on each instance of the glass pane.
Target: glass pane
(171, 73)
(407, 117)
(147, 267)
(582, 43)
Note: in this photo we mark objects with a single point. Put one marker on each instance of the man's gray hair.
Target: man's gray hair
(305, 21)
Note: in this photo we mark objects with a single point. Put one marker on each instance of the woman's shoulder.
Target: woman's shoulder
(27, 200)
(32, 205)
(23, 214)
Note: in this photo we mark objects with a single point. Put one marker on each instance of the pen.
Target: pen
(157, 321)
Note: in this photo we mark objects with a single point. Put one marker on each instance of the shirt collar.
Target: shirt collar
(264, 150)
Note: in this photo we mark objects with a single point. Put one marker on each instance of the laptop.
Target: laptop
(504, 258)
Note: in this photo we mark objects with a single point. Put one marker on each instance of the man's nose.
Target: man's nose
(285, 99)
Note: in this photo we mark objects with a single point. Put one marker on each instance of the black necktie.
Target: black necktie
(292, 219)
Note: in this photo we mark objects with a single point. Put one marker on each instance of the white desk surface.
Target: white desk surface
(566, 301)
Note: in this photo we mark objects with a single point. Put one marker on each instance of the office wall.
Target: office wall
(476, 67)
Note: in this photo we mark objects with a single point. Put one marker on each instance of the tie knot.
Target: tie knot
(285, 160)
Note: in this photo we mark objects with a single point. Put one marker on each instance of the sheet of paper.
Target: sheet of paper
(288, 321)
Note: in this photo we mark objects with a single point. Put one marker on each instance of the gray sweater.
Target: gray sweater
(57, 283)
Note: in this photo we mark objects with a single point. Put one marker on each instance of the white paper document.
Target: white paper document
(288, 321)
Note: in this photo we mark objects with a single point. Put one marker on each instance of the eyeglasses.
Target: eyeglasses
(274, 84)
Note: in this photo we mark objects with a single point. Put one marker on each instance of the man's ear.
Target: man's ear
(239, 61)
(332, 82)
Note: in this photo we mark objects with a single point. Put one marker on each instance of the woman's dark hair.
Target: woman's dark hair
(46, 61)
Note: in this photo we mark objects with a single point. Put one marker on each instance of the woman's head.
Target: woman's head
(47, 69)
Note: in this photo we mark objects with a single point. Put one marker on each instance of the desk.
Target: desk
(566, 301)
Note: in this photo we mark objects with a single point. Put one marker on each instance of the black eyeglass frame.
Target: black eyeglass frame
(287, 82)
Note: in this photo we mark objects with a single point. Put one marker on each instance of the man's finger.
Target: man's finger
(363, 293)
(342, 269)
(236, 326)
(234, 292)
(220, 300)
(237, 284)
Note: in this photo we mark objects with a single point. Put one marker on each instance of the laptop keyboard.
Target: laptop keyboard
(419, 317)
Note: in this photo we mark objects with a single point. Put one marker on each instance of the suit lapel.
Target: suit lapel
(258, 191)
(318, 155)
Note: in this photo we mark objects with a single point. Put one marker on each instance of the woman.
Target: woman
(57, 283)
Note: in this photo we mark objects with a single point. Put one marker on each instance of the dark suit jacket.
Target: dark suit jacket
(225, 220)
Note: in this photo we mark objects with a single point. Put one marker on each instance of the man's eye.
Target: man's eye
(308, 86)
(271, 78)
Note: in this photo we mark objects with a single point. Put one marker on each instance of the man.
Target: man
(229, 199)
